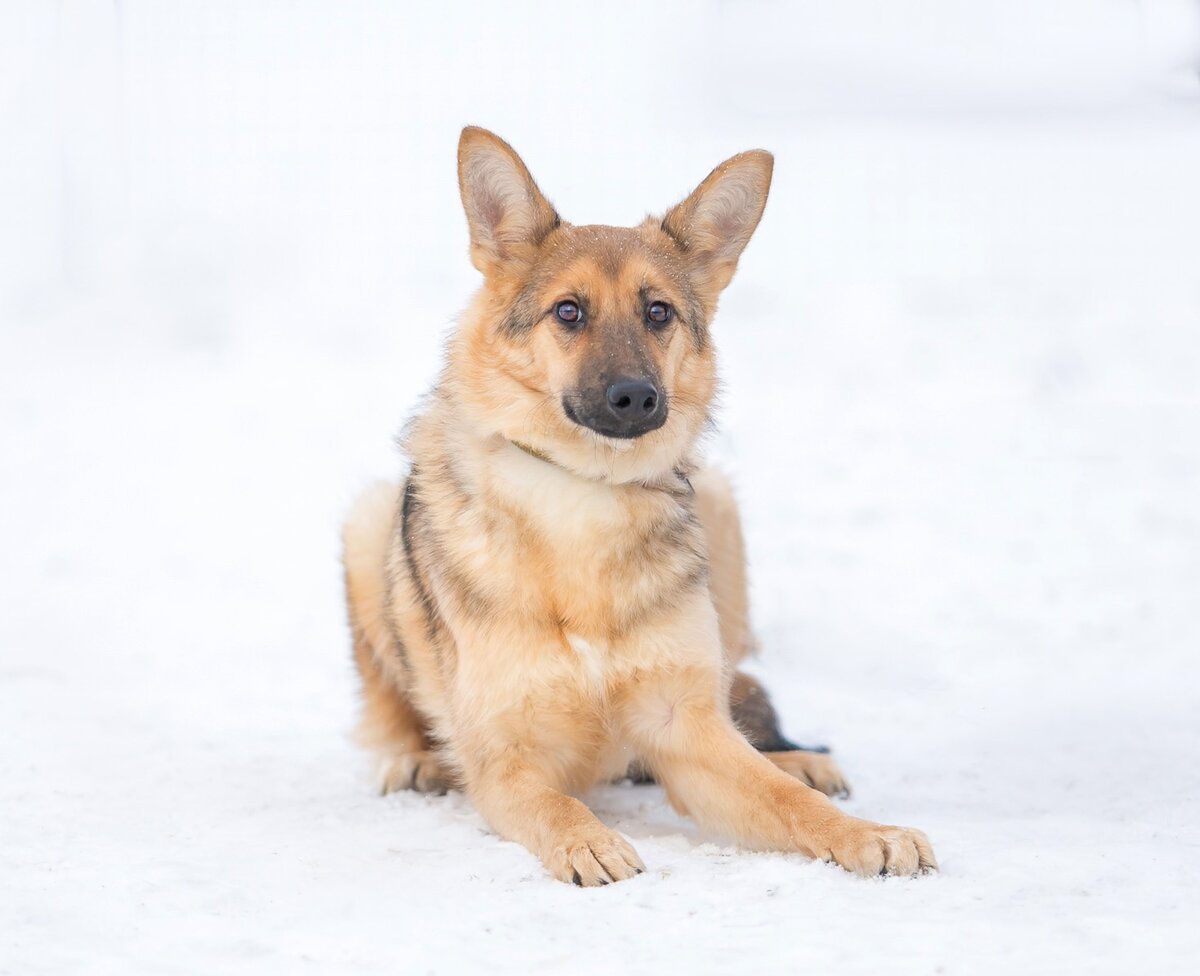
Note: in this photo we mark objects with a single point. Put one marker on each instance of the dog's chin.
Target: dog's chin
(590, 453)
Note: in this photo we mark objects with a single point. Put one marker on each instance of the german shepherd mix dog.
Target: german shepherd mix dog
(556, 595)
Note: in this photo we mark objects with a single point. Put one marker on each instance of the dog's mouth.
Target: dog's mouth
(621, 416)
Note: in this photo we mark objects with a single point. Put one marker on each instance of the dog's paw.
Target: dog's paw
(815, 769)
(420, 771)
(593, 856)
(870, 849)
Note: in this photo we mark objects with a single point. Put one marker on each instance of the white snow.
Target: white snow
(962, 406)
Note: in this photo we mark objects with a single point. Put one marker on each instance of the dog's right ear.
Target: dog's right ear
(506, 212)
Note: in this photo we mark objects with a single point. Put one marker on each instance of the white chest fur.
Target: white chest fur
(591, 658)
(560, 504)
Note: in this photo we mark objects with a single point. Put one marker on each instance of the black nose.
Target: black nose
(632, 400)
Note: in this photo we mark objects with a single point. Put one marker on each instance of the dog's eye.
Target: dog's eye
(658, 313)
(568, 313)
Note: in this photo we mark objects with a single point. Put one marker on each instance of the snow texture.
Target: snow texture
(961, 404)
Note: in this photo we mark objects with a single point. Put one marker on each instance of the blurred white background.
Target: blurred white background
(962, 405)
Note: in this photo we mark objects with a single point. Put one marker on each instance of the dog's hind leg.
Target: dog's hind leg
(755, 717)
(393, 730)
(389, 726)
(749, 703)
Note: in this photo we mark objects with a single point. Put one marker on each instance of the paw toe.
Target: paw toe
(419, 771)
(892, 851)
(814, 769)
(595, 861)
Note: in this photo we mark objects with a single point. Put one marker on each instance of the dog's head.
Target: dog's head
(590, 344)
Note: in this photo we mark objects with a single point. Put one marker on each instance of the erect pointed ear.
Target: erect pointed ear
(714, 224)
(506, 212)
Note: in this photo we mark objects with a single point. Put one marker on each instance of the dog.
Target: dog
(555, 596)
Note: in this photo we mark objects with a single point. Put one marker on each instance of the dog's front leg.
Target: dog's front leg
(713, 774)
(518, 800)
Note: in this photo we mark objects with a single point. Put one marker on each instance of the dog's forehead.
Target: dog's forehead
(620, 254)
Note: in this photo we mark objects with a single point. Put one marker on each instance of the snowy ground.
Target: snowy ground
(962, 405)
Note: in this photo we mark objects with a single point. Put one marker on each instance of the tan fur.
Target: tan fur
(539, 605)
(718, 514)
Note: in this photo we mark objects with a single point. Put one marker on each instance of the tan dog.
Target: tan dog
(556, 594)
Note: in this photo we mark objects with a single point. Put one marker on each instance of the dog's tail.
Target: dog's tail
(366, 537)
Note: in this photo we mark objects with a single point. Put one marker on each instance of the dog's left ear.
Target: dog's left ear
(714, 224)
(507, 214)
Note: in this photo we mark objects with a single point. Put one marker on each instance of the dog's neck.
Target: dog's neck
(676, 483)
